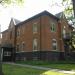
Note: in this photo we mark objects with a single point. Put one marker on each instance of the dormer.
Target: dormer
(13, 22)
(60, 15)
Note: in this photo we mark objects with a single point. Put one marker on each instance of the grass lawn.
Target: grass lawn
(55, 65)
(17, 70)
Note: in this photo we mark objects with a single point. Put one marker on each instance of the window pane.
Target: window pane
(18, 32)
(35, 28)
(23, 46)
(17, 48)
(7, 53)
(54, 44)
(53, 27)
(35, 44)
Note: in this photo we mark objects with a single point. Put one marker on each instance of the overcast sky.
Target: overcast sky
(30, 8)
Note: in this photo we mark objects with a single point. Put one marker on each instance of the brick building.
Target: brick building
(39, 37)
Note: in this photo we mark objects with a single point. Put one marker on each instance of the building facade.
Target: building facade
(40, 37)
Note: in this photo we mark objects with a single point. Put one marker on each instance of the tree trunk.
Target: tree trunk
(1, 73)
(73, 6)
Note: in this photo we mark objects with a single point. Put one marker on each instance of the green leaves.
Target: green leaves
(68, 5)
(8, 2)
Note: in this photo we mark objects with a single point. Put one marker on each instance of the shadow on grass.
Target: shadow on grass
(63, 65)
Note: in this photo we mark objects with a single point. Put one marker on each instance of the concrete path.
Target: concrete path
(42, 68)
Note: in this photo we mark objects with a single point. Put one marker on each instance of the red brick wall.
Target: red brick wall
(26, 34)
(44, 34)
(48, 35)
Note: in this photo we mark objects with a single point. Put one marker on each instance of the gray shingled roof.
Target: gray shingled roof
(59, 15)
(16, 21)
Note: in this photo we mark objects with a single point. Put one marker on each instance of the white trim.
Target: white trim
(2, 55)
(35, 28)
(35, 50)
(53, 26)
(20, 51)
(35, 44)
(54, 44)
(55, 50)
(23, 46)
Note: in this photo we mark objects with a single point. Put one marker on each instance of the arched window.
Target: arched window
(54, 44)
(35, 44)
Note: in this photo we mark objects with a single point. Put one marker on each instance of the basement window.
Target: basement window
(7, 53)
(35, 58)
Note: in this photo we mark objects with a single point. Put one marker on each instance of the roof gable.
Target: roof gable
(60, 15)
(38, 15)
(13, 22)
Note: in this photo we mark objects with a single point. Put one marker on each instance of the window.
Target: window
(7, 53)
(53, 27)
(23, 46)
(54, 44)
(18, 32)
(64, 32)
(17, 49)
(35, 58)
(10, 34)
(35, 28)
(35, 45)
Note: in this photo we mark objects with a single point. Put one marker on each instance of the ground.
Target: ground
(18, 70)
(63, 65)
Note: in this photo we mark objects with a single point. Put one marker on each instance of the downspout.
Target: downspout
(40, 37)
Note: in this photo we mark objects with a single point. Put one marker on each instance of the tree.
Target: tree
(8, 2)
(70, 13)
(74, 6)
(69, 6)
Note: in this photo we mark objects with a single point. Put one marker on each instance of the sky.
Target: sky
(29, 8)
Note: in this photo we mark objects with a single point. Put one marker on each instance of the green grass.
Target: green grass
(17, 70)
(55, 65)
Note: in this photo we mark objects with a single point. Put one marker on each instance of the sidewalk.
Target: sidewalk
(42, 68)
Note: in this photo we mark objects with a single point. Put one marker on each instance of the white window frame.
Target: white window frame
(53, 27)
(64, 32)
(18, 32)
(35, 28)
(54, 44)
(23, 46)
(18, 48)
(35, 44)
(6, 53)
